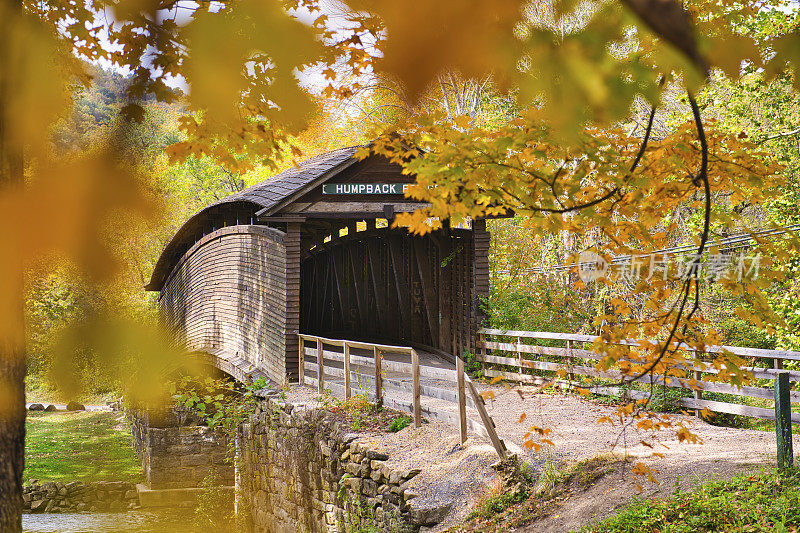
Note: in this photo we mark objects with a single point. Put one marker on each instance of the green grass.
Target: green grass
(767, 501)
(79, 446)
(40, 390)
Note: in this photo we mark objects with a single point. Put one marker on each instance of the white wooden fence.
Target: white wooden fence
(316, 353)
(518, 350)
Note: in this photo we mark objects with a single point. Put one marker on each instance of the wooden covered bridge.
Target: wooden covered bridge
(312, 251)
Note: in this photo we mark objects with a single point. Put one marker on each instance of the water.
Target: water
(172, 521)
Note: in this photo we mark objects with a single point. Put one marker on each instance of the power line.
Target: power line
(726, 244)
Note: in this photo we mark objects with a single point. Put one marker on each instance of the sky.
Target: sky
(311, 78)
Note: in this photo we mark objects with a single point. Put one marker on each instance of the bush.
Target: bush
(399, 423)
(472, 366)
(768, 501)
(665, 399)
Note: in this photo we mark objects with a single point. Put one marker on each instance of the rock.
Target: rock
(408, 474)
(409, 495)
(50, 506)
(62, 491)
(377, 456)
(36, 407)
(39, 506)
(81, 507)
(75, 406)
(131, 495)
(50, 408)
(370, 488)
(347, 438)
(430, 516)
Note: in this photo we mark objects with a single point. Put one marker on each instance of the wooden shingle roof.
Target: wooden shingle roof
(263, 198)
(273, 192)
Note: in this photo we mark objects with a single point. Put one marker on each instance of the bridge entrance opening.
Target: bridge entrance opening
(367, 281)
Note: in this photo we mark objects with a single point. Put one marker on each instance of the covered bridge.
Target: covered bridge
(312, 251)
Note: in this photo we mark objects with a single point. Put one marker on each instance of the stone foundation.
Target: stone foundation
(54, 497)
(179, 456)
(300, 470)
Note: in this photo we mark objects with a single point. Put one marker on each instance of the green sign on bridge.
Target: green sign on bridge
(364, 188)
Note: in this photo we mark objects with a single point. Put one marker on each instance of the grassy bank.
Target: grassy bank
(503, 511)
(40, 390)
(767, 501)
(85, 446)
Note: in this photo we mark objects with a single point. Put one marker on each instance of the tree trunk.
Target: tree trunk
(12, 434)
(12, 360)
(12, 317)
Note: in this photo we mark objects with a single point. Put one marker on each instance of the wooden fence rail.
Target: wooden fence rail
(494, 342)
(370, 374)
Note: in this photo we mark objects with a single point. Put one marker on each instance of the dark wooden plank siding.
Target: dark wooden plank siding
(292, 276)
(228, 293)
(481, 239)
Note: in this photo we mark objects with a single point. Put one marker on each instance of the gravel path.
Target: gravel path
(462, 474)
(724, 452)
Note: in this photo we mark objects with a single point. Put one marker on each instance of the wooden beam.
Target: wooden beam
(416, 397)
(320, 368)
(428, 291)
(462, 400)
(378, 358)
(403, 292)
(488, 423)
(347, 389)
(301, 357)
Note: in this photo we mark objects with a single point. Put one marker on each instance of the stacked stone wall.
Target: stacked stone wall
(54, 497)
(179, 456)
(302, 470)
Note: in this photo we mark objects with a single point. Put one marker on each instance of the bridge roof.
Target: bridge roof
(270, 194)
(263, 199)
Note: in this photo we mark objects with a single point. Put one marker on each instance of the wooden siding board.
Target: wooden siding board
(228, 294)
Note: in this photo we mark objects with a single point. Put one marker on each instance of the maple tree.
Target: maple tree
(561, 160)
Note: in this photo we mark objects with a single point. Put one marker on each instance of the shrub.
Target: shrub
(399, 423)
(768, 501)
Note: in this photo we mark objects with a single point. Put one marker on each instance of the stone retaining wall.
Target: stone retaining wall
(52, 497)
(301, 470)
(179, 456)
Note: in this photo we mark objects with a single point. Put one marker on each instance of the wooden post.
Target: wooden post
(378, 376)
(320, 367)
(698, 394)
(570, 363)
(519, 358)
(488, 423)
(482, 338)
(462, 399)
(783, 421)
(415, 372)
(301, 356)
(347, 391)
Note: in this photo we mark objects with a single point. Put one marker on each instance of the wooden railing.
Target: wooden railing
(573, 359)
(316, 358)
